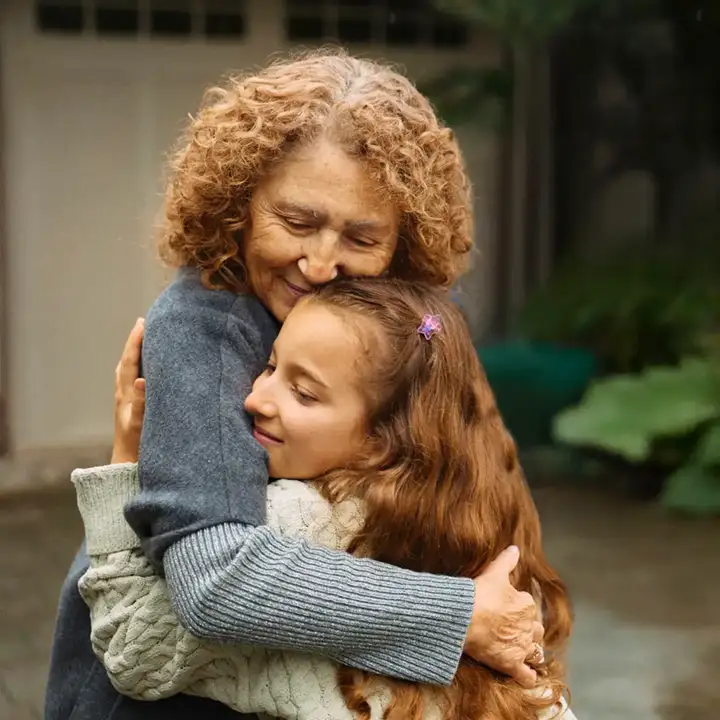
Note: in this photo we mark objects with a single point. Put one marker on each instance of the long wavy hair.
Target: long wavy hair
(442, 487)
(248, 124)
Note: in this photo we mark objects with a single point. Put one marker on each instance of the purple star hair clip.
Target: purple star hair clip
(431, 325)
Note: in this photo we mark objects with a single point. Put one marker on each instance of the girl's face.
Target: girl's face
(309, 410)
(318, 215)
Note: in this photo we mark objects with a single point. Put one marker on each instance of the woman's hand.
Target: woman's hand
(129, 399)
(504, 630)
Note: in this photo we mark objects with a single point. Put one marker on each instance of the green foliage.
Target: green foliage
(693, 489)
(627, 414)
(633, 309)
(668, 416)
(481, 96)
(708, 449)
(518, 21)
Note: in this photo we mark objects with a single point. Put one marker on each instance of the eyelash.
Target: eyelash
(300, 395)
(362, 243)
(303, 397)
(297, 225)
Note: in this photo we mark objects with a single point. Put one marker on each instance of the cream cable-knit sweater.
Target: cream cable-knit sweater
(148, 655)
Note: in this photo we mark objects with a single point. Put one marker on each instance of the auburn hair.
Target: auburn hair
(250, 123)
(442, 487)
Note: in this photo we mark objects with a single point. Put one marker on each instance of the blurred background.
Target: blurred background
(591, 129)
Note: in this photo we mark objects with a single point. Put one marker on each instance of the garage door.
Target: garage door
(94, 92)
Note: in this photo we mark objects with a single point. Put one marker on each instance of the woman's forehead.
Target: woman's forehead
(322, 180)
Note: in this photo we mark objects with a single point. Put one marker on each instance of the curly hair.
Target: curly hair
(442, 488)
(246, 126)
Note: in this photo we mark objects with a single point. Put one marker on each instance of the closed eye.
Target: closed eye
(297, 224)
(362, 242)
(302, 396)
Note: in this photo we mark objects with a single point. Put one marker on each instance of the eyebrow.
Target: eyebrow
(300, 370)
(320, 217)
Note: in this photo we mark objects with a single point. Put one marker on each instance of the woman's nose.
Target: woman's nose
(320, 263)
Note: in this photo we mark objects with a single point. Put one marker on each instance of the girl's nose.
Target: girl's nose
(259, 401)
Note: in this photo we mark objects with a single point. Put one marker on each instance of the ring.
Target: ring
(536, 656)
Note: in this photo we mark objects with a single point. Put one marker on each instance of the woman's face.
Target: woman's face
(308, 407)
(316, 216)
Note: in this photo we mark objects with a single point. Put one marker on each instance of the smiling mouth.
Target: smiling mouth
(265, 438)
(296, 290)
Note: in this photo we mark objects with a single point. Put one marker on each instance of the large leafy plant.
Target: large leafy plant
(633, 309)
(665, 416)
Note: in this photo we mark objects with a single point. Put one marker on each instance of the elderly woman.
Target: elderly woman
(315, 167)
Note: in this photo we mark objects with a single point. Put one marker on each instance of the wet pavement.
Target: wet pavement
(646, 589)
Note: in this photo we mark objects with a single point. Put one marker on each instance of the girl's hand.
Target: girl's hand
(129, 399)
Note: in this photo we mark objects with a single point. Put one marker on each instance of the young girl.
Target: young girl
(374, 394)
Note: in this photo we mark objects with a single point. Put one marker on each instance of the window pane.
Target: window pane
(66, 16)
(450, 34)
(218, 25)
(117, 17)
(306, 7)
(355, 29)
(403, 28)
(405, 6)
(305, 28)
(224, 18)
(170, 22)
(171, 18)
(356, 20)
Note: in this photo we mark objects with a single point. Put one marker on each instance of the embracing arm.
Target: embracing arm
(147, 653)
(200, 514)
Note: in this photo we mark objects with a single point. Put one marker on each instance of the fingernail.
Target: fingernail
(514, 549)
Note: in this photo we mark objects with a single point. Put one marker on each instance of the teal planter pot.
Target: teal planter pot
(532, 382)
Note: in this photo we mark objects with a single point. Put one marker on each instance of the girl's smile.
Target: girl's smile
(264, 437)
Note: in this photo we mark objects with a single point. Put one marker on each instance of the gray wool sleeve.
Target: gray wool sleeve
(255, 586)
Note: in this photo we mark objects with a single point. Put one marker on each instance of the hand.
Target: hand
(504, 627)
(129, 399)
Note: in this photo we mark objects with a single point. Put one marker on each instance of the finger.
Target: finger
(538, 633)
(129, 367)
(525, 676)
(138, 401)
(505, 562)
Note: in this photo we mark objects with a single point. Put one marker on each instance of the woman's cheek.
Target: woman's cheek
(376, 263)
(270, 244)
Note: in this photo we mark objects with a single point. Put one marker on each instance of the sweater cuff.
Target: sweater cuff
(101, 496)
